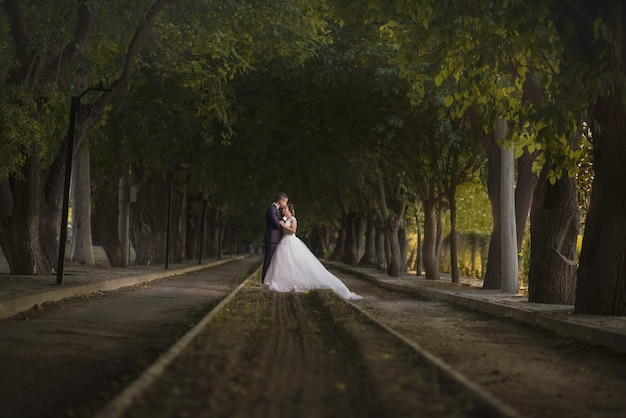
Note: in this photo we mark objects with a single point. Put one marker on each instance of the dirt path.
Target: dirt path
(311, 355)
(541, 375)
(68, 359)
(283, 355)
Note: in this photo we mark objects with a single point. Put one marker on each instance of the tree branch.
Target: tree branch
(93, 112)
(119, 85)
(19, 32)
(73, 50)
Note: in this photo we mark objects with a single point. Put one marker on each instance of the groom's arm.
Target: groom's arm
(273, 217)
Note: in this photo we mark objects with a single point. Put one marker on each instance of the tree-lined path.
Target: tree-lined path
(376, 118)
(267, 352)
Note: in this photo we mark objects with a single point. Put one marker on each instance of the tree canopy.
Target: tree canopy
(357, 111)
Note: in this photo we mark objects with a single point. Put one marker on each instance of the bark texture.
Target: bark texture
(553, 232)
(81, 249)
(429, 249)
(601, 286)
(601, 276)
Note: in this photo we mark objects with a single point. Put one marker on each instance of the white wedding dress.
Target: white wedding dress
(295, 268)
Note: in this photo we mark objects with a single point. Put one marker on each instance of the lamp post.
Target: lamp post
(74, 107)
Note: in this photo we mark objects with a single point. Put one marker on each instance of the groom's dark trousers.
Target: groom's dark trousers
(273, 234)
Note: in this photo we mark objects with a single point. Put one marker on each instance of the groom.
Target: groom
(273, 230)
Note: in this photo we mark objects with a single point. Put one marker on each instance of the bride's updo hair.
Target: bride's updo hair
(291, 209)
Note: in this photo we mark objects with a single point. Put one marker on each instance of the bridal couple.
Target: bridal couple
(289, 265)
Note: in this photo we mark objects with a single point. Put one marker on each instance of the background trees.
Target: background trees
(49, 47)
(363, 114)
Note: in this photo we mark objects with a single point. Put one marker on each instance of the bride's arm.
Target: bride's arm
(292, 227)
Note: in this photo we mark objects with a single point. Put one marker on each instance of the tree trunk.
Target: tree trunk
(404, 248)
(193, 231)
(440, 226)
(473, 253)
(104, 218)
(25, 240)
(396, 266)
(454, 258)
(141, 234)
(493, 271)
(524, 189)
(553, 232)
(123, 222)
(412, 255)
(351, 250)
(158, 209)
(431, 265)
(510, 268)
(369, 257)
(601, 285)
(213, 233)
(177, 226)
(381, 253)
(526, 181)
(6, 209)
(337, 253)
(419, 258)
(317, 241)
(361, 230)
(110, 219)
(20, 238)
(30, 215)
(82, 248)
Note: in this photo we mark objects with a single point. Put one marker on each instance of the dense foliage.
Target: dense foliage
(374, 118)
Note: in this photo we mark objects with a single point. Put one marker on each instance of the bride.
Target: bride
(295, 268)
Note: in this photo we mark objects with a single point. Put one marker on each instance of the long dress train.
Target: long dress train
(295, 268)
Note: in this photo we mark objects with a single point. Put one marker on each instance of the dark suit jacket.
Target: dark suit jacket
(273, 230)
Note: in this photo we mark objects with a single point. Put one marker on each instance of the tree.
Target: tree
(216, 39)
(31, 194)
(592, 35)
(463, 162)
(483, 48)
